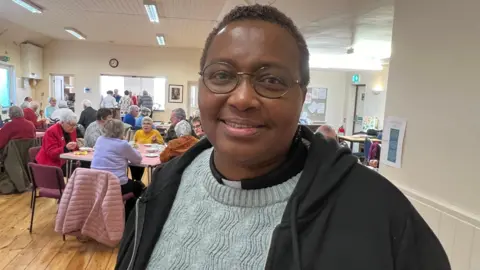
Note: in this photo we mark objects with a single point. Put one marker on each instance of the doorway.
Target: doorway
(359, 108)
(62, 88)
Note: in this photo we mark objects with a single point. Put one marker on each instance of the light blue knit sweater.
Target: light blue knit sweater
(213, 226)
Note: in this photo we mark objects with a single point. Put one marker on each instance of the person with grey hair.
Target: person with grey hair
(146, 101)
(62, 109)
(113, 154)
(178, 115)
(108, 101)
(144, 112)
(129, 118)
(58, 139)
(95, 129)
(51, 107)
(30, 114)
(17, 128)
(181, 144)
(88, 115)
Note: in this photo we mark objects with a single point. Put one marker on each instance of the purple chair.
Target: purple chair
(49, 182)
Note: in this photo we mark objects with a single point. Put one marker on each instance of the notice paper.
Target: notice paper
(312, 108)
(321, 108)
(322, 93)
(308, 98)
(392, 141)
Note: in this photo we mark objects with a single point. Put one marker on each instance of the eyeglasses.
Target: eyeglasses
(268, 82)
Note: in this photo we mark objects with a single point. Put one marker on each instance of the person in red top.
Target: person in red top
(17, 128)
(58, 139)
(31, 115)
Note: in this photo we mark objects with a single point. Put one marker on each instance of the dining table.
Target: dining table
(149, 160)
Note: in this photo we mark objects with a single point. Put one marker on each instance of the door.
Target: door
(192, 97)
(58, 83)
(359, 111)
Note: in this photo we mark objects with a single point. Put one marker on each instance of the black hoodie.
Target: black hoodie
(341, 216)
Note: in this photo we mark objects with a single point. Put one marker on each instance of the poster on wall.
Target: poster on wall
(392, 141)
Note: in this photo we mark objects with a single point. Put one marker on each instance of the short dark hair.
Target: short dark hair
(109, 92)
(126, 92)
(103, 113)
(267, 14)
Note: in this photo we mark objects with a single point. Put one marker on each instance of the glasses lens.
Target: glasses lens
(272, 83)
(220, 78)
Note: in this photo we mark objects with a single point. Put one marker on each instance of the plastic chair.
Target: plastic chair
(49, 182)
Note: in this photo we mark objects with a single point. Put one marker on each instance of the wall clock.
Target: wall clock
(113, 63)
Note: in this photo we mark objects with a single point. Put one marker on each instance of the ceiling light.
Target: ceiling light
(151, 8)
(161, 40)
(30, 6)
(74, 32)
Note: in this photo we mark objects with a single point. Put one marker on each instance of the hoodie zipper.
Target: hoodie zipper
(139, 218)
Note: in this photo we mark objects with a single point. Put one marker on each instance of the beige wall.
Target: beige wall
(433, 83)
(86, 61)
(21, 91)
(334, 80)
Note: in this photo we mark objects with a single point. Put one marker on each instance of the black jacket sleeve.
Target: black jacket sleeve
(419, 248)
(82, 119)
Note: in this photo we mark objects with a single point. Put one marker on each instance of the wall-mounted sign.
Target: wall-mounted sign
(86, 90)
(355, 79)
(4, 58)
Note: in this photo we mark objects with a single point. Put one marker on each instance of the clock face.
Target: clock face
(113, 63)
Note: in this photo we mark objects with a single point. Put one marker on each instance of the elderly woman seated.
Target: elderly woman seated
(62, 107)
(144, 112)
(112, 154)
(197, 127)
(181, 144)
(51, 108)
(30, 114)
(17, 128)
(58, 139)
(147, 134)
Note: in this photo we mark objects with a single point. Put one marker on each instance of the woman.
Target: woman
(51, 108)
(125, 103)
(113, 153)
(58, 139)
(178, 146)
(197, 127)
(147, 134)
(269, 194)
(143, 113)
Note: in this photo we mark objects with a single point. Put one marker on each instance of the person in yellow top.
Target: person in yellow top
(147, 134)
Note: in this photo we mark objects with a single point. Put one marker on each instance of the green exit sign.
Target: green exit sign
(355, 78)
(4, 58)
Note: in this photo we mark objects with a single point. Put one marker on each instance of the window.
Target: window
(193, 96)
(156, 87)
(7, 86)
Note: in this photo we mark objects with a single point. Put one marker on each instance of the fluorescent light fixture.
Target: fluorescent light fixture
(28, 5)
(344, 61)
(161, 40)
(74, 32)
(151, 8)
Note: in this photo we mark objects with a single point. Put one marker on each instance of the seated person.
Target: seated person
(30, 114)
(112, 154)
(129, 118)
(177, 115)
(58, 139)
(181, 144)
(95, 129)
(327, 131)
(51, 108)
(143, 112)
(88, 115)
(147, 134)
(62, 107)
(17, 128)
(197, 127)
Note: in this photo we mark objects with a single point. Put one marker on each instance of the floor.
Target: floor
(44, 249)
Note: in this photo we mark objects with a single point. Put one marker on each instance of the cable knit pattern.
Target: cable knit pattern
(212, 226)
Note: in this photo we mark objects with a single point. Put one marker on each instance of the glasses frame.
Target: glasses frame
(241, 74)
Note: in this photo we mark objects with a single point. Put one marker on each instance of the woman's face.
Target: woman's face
(197, 127)
(69, 127)
(242, 124)
(53, 103)
(147, 127)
